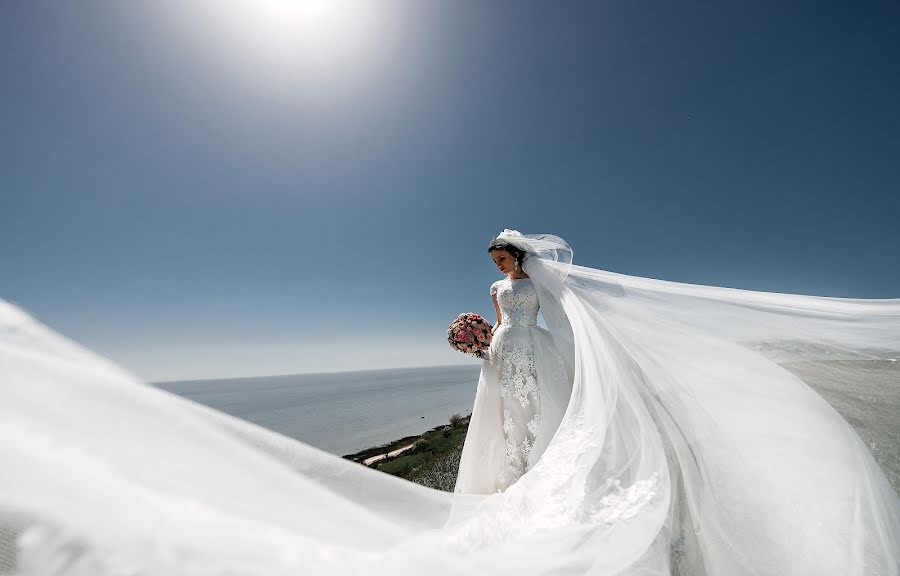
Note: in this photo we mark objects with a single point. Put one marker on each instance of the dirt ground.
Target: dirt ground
(871, 403)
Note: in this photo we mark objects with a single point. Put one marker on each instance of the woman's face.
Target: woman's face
(504, 261)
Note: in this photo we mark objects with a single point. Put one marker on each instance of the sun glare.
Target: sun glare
(316, 32)
(293, 38)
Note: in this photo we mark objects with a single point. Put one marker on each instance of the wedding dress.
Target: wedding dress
(521, 396)
(689, 443)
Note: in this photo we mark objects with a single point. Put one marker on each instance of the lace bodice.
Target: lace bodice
(518, 301)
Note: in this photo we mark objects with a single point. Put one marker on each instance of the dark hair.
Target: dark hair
(516, 252)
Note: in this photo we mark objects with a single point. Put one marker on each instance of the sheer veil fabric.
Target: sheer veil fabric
(685, 447)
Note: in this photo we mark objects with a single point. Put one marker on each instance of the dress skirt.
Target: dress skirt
(523, 391)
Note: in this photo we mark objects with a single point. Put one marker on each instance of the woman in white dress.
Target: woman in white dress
(525, 378)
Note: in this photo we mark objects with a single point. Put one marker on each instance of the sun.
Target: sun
(299, 39)
(309, 32)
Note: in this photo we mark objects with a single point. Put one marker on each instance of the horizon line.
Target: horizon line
(311, 373)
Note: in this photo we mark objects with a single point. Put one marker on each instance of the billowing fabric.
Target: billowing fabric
(686, 447)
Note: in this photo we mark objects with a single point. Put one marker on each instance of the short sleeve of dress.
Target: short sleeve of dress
(494, 288)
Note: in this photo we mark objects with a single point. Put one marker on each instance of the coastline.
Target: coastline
(430, 458)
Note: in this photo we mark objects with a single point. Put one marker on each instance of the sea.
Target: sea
(342, 412)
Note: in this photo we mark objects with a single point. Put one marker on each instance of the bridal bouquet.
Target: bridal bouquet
(470, 333)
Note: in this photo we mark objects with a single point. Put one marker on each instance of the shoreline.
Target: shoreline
(430, 458)
(368, 461)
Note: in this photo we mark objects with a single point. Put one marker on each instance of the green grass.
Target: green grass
(434, 459)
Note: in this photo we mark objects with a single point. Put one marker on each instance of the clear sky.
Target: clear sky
(203, 189)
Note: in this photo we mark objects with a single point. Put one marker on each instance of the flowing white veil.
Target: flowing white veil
(691, 444)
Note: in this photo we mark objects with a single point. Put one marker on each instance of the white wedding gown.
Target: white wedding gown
(688, 445)
(522, 393)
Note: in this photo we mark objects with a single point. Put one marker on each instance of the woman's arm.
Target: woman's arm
(497, 308)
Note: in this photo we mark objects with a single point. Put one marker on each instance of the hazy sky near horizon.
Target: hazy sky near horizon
(206, 189)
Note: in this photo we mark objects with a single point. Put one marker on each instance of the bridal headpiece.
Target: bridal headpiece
(543, 246)
(515, 238)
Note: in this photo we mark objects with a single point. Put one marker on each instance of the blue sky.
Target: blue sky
(198, 191)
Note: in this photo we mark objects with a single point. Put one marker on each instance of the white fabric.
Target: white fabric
(686, 448)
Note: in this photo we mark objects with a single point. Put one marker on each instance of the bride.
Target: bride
(524, 387)
(684, 439)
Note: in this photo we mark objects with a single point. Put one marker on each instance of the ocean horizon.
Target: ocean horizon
(341, 412)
